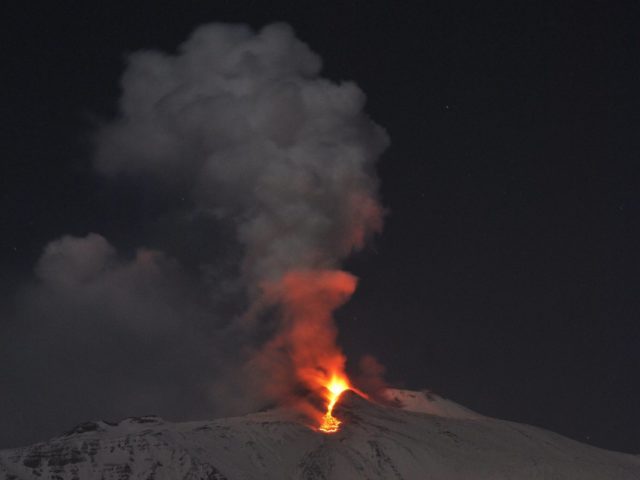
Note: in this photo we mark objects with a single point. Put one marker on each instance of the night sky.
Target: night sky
(507, 274)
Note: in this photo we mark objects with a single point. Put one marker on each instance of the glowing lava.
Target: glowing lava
(307, 299)
(336, 386)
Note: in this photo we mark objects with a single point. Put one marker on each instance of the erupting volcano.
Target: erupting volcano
(420, 435)
(264, 145)
(307, 340)
(336, 387)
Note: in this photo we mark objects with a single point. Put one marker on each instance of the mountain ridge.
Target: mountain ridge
(423, 437)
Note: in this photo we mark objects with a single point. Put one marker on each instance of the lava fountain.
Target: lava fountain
(244, 125)
(307, 299)
(336, 387)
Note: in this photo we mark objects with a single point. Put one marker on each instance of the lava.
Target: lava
(335, 388)
(307, 300)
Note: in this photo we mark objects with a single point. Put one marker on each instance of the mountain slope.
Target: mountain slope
(430, 438)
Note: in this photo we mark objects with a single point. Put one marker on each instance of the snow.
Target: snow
(427, 402)
(427, 437)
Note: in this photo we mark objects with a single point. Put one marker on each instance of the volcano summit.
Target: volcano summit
(423, 437)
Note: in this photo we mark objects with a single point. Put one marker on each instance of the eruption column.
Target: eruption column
(307, 300)
(243, 125)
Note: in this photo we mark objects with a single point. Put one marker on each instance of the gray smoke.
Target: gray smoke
(243, 123)
(98, 334)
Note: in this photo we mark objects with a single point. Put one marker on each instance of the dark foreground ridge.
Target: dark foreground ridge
(424, 437)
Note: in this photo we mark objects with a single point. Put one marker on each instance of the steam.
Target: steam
(242, 123)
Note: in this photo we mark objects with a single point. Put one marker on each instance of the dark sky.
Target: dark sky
(506, 277)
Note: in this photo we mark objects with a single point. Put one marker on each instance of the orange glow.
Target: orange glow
(336, 387)
(307, 299)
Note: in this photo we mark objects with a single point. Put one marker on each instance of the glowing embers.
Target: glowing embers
(334, 389)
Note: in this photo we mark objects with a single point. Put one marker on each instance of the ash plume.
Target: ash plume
(238, 128)
(244, 124)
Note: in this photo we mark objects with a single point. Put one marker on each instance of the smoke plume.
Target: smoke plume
(246, 126)
(237, 132)
(243, 124)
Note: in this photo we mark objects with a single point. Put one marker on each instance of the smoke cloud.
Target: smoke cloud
(243, 126)
(98, 334)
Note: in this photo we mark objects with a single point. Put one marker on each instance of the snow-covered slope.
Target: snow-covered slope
(418, 441)
(427, 402)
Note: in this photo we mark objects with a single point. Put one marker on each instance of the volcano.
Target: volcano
(417, 435)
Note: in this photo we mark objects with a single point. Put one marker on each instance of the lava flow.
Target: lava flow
(335, 388)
